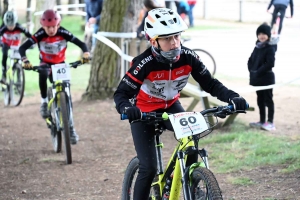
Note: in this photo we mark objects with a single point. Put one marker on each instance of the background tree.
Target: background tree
(117, 16)
(72, 2)
(28, 15)
(5, 7)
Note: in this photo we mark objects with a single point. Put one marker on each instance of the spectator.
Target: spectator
(260, 66)
(280, 6)
(183, 8)
(93, 15)
(191, 3)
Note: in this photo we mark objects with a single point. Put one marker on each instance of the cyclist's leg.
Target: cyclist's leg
(43, 75)
(144, 142)
(4, 60)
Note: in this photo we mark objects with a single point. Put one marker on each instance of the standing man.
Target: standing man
(93, 15)
(280, 6)
(192, 4)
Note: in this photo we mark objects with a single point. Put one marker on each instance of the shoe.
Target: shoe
(45, 113)
(268, 126)
(256, 125)
(73, 136)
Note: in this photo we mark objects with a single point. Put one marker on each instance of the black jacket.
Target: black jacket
(260, 65)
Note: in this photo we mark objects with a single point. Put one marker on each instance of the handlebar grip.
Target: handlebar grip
(124, 116)
(232, 109)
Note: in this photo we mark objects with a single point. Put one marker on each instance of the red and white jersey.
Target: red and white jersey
(52, 49)
(13, 37)
(157, 85)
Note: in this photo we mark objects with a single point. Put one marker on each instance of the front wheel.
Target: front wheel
(205, 185)
(17, 85)
(6, 95)
(207, 59)
(130, 179)
(65, 114)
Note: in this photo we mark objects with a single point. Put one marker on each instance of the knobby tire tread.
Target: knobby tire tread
(17, 67)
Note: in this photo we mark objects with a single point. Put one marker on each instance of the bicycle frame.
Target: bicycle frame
(176, 165)
(59, 88)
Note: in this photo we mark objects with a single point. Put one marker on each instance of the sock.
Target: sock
(44, 100)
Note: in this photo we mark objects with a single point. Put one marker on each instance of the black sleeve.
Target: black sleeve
(23, 30)
(271, 3)
(129, 86)
(71, 38)
(210, 84)
(26, 45)
(292, 7)
(2, 29)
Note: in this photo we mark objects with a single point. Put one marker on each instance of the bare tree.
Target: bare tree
(117, 16)
(72, 2)
(28, 15)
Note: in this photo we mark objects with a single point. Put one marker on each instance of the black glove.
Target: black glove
(239, 103)
(133, 113)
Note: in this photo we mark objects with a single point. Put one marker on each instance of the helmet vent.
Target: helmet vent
(157, 16)
(164, 23)
(171, 13)
(175, 20)
(149, 25)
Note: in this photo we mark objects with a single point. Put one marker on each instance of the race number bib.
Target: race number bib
(61, 72)
(14, 52)
(188, 123)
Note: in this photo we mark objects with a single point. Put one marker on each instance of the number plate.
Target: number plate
(61, 72)
(14, 52)
(188, 123)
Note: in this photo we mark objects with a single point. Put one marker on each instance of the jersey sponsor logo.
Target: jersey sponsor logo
(141, 64)
(129, 83)
(180, 71)
(187, 51)
(159, 76)
(54, 47)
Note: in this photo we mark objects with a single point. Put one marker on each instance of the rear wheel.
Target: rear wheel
(55, 134)
(130, 179)
(65, 115)
(17, 85)
(205, 185)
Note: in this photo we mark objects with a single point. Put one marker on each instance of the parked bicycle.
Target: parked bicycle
(13, 87)
(205, 57)
(196, 181)
(60, 105)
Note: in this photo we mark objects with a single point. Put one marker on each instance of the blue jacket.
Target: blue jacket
(93, 8)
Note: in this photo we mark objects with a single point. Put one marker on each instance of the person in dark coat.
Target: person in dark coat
(260, 66)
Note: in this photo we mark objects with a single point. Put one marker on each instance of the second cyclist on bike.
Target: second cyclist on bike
(11, 32)
(156, 78)
(52, 42)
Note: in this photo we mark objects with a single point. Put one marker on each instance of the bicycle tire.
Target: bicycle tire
(210, 189)
(128, 182)
(55, 134)
(66, 126)
(212, 67)
(17, 85)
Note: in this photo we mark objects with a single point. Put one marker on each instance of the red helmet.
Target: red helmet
(50, 18)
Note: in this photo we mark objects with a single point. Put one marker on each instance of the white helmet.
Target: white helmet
(162, 22)
(152, 4)
(10, 18)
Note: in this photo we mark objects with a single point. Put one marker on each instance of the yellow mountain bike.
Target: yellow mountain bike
(60, 105)
(196, 181)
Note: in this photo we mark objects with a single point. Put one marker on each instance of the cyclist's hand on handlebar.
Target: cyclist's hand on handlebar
(26, 64)
(86, 57)
(133, 113)
(239, 103)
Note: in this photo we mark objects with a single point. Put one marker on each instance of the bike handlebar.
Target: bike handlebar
(219, 111)
(48, 66)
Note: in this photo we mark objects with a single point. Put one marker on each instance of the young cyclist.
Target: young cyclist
(52, 42)
(156, 78)
(11, 36)
(260, 65)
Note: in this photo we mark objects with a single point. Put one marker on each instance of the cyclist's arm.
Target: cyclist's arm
(271, 3)
(35, 38)
(23, 30)
(71, 38)
(269, 62)
(210, 84)
(128, 87)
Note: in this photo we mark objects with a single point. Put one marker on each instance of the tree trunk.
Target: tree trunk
(5, 7)
(72, 2)
(28, 16)
(58, 2)
(116, 16)
(42, 5)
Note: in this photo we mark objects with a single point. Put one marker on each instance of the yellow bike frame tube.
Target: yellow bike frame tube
(176, 182)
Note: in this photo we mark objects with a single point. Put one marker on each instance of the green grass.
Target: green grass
(79, 76)
(208, 27)
(242, 148)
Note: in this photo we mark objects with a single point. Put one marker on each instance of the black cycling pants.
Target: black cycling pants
(5, 49)
(281, 9)
(144, 142)
(43, 76)
(265, 99)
